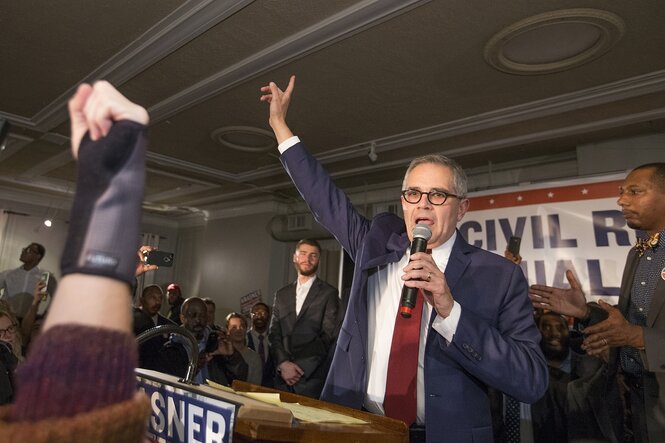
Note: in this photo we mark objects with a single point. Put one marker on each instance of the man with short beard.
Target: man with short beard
(303, 326)
(554, 344)
(560, 416)
(549, 413)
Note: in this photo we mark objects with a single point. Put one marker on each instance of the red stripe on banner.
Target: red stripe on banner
(586, 191)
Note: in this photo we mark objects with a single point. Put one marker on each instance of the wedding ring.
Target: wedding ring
(429, 276)
(604, 341)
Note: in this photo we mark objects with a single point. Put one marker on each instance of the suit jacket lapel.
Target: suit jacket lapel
(396, 246)
(290, 306)
(457, 264)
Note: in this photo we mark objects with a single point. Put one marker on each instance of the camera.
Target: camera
(213, 342)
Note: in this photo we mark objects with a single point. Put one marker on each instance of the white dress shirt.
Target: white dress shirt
(301, 292)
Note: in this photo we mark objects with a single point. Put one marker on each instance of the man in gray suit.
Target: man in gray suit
(304, 325)
(631, 336)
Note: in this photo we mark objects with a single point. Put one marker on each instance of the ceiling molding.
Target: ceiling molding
(15, 143)
(230, 211)
(641, 85)
(185, 166)
(159, 220)
(45, 184)
(192, 19)
(180, 191)
(592, 32)
(187, 22)
(342, 25)
(48, 165)
(560, 132)
(17, 120)
(628, 88)
(181, 177)
(36, 198)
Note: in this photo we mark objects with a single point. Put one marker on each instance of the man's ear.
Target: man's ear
(462, 208)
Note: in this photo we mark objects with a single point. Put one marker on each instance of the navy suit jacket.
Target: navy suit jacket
(496, 343)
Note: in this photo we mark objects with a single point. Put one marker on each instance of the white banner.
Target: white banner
(573, 225)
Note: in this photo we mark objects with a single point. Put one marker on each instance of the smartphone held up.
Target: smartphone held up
(514, 245)
(159, 258)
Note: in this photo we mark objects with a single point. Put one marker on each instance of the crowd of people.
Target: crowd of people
(482, 357)
(288, 350)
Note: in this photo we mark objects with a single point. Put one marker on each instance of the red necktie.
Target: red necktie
(400, 399)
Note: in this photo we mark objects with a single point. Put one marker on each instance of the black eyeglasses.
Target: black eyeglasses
(10, 330)
(437, 198)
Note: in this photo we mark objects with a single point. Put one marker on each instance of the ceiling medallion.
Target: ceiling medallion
(554, 41)
(244, 138)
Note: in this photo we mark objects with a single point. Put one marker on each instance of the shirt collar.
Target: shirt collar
(308, 284)
(442, 252)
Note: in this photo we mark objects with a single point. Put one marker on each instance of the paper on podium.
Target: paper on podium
(316, 415)
(301, 412)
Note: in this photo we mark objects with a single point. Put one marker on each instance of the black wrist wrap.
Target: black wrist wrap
(104, 224)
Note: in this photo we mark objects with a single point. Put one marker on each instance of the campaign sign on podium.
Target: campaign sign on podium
(185, 413)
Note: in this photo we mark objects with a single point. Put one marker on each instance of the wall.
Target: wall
(620, 154)
(18, 231)
(228, 258)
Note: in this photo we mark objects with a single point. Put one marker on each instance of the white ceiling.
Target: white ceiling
(408, 77)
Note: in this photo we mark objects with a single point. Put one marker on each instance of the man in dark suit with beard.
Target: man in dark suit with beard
(303, 326)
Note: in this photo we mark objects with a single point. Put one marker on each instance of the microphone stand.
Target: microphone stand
(192, 353)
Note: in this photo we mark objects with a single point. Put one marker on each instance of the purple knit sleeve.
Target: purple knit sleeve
(72, 369)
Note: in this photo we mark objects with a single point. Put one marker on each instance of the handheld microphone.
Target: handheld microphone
(421, 235)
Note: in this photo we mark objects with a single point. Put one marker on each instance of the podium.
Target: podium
(185, 413)
(377, 429)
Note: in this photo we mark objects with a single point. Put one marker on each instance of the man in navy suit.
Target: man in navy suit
(477, 329)
(304, 325)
